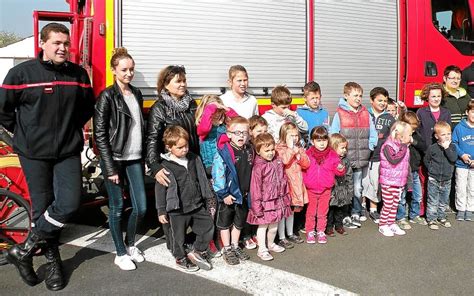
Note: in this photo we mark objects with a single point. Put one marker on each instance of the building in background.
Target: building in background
(15, 54)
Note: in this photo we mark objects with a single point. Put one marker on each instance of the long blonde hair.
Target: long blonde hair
(206, 100)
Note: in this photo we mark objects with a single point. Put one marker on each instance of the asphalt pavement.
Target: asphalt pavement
(423, 262)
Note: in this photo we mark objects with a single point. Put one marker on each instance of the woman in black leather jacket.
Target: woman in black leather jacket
(174, 106)
(119, 133)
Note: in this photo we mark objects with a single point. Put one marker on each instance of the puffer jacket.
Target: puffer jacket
(320, 177)
(270, 197)
(343, 190)
(294, 171)
(394, 163)
(161, 115)
(112, 122)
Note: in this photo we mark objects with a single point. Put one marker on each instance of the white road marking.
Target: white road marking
(249, 277)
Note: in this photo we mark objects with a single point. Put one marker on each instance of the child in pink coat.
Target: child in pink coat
(319, 178)
(270, 201)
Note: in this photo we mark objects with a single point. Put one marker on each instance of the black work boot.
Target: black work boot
(21, 255)
(54, 274)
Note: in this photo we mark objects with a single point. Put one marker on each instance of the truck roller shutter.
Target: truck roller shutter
(208, 36)
(355, 41)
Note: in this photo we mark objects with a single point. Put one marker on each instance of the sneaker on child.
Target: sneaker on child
(311, 237)
(295, 239)
(276, 248)
(186, 264)
(433, 225)
(347, 222)
(341, 230)
(265, 256)
(198, 259)
(397, 230)
(330, 232)
(229, 256)
(374, 216)
(363, 218)
(356, 220)
(403, 224)
(241, 254)
(385, 230)
(444, 223)
(468, 216)
(124, 262)
(135, 254)
(286, 244)
(419, 220)
(250, 244)
(322, 239)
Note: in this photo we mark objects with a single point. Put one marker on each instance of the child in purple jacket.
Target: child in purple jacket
(270, 200)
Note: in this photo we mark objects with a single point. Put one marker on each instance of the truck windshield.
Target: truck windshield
(453, 20)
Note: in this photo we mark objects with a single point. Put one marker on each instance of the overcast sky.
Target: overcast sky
(17, 15)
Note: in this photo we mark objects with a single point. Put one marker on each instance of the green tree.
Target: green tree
(7, 38)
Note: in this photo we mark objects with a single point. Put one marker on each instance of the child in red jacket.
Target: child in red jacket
(319, 178)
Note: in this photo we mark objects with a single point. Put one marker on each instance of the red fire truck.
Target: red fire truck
(400, 45)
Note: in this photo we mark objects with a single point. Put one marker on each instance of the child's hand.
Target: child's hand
(445, 144)
(289, 142)
(466, 158)
(402, 105)
(220, 106)
(288, 112)
(163, 219)
(229, 200)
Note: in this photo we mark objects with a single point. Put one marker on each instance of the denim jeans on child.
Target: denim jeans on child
(357, 176)
(437, 199)
(134, 171)
(416, 196)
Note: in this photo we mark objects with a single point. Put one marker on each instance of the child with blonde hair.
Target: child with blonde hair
(237, 97)
(342, 192)
(394, 174)
(270, 202)
(295, 160)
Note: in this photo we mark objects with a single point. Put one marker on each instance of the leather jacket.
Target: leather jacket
(161, 116)
(112, 122)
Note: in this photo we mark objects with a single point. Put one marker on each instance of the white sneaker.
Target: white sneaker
(397, 230)
(385, 230)
(276, 248)
(363, 218)
(135, 254)
(124, 262)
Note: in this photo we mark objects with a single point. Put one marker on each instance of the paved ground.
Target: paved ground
(424, 262)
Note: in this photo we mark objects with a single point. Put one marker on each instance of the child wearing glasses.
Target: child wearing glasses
(231, 173)
(281, 113)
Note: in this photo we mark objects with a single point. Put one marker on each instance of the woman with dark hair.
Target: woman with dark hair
(174, 106)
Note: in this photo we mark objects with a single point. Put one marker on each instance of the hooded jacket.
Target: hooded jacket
(270, 197)
(46, 106)
(320, 177)
(359, 131)
(463, 139)
(224, 173)
(187, 188)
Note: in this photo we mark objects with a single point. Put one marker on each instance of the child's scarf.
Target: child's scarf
(319, 156)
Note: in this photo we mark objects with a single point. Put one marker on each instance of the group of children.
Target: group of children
(270, 172)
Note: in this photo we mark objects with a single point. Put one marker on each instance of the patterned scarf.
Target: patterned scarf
(180, 105)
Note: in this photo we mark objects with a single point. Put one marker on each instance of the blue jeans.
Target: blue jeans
(415, 199)
(438, 199)
(133, 170)
(357, 176)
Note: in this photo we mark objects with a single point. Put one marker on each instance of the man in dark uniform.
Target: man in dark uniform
(45, 102)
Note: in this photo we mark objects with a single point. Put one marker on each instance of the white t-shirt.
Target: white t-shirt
(246, 108)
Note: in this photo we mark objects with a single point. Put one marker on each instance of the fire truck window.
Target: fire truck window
(453, 20)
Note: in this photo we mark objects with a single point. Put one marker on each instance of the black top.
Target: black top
(243, 165)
